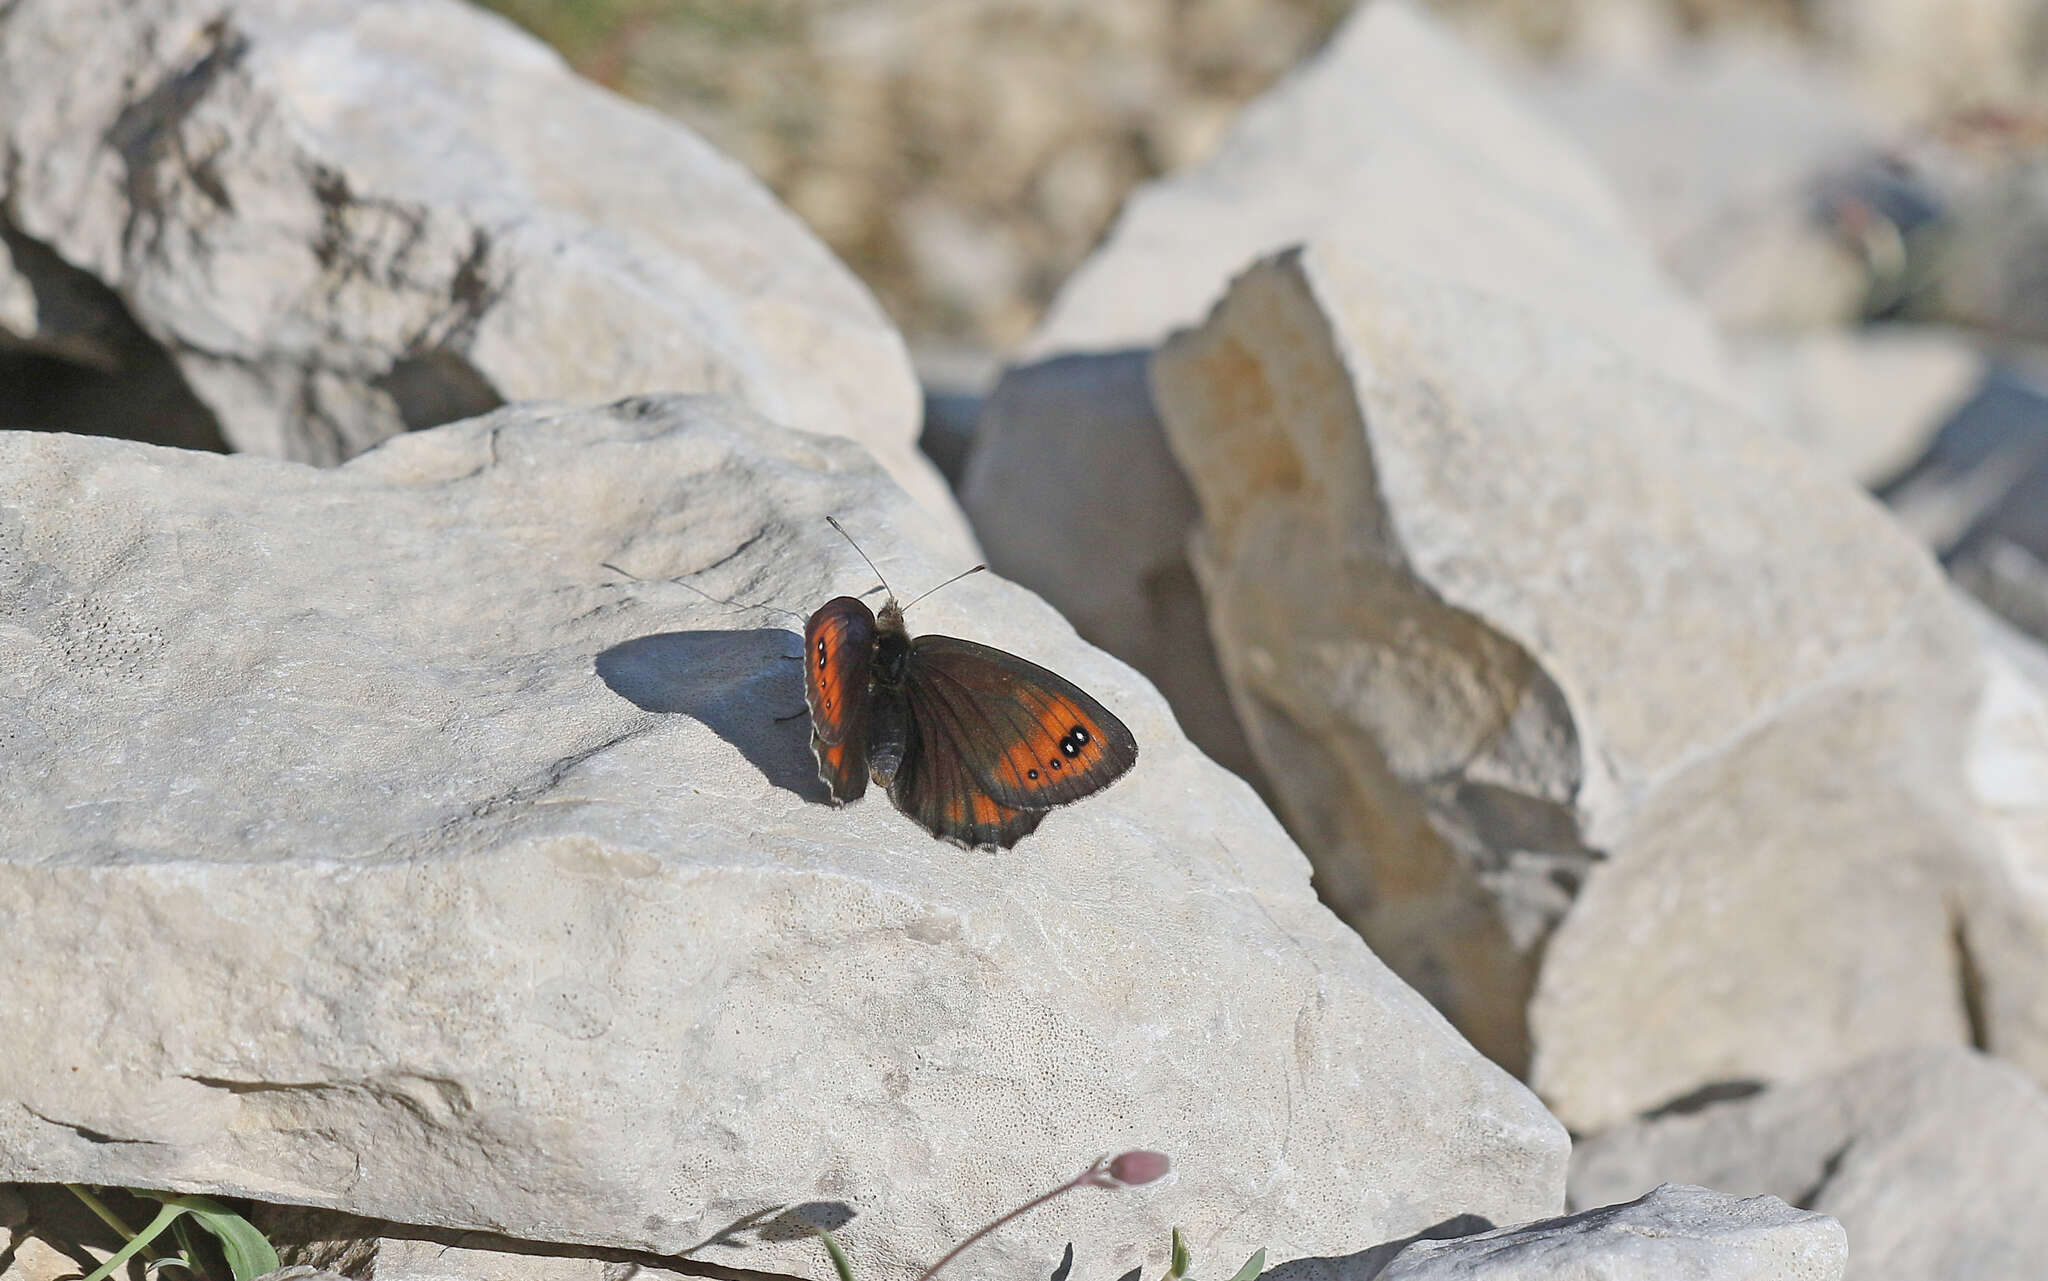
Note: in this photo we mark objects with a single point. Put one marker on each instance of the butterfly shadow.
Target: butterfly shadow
(745, 686)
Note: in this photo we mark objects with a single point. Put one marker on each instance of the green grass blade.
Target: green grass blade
(1252, 1268)
(136, 1244)
(839, 1263)
(1183, 1262)
(248, 1252)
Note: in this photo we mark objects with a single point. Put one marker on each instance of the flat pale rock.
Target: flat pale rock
(342, 220)
(1394, 135)
(1935, 1161)
(1672, 1233)
(1621, 727)
(366, 843)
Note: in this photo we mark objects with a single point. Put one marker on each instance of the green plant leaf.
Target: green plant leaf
(1253, 1267)
(839, 1263)
(136, 1244)
(1182, 1263)
(188, 1250)
(249, 1253)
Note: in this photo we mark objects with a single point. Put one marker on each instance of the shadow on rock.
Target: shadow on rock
(778, 1223)
(746, 686)
(1367, 1264)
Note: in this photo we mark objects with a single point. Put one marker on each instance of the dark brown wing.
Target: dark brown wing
(839, 649)
(1029, 738)
(935, 788)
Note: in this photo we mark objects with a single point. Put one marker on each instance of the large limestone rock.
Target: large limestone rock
(1395, 136)
(1617, 725)
(366, 843)
(1668, 1234)
(342, 220)
(1936, 1161)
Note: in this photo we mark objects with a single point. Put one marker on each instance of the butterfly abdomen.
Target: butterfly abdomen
(888, 733)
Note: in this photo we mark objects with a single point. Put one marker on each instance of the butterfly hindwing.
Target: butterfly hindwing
(936, 788)
(1024, 737)
(839, 647)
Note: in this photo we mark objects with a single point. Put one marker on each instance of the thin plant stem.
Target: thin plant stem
(108, 1217)
(1089, 1175)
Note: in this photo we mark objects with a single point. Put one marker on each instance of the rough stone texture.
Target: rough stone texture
(342, 220)
(1619, 727)
(370, 845)
(1394, 135)
(1867, 402)
(1936, 1161)
(1670, 1234)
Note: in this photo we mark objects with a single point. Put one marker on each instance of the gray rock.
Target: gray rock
(1936, 1161)
(368, 844)
(341, 220)
(1984, 475)
(1669, 1234)
(1394, 136)
(1625, 731)
(2006, 579)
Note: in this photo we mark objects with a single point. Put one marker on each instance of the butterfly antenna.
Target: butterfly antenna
(949, 582)
(863, 555)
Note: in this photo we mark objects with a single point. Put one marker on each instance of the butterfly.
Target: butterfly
(975, 744)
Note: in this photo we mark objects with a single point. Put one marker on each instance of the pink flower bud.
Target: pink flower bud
(1139, 1166)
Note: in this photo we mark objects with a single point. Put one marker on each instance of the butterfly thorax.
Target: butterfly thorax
(892, 647)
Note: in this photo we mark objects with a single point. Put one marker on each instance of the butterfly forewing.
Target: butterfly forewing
(1030, 738)
(839, 648)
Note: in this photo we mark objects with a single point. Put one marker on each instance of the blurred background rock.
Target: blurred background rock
(963, 156)
(1808, 168)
